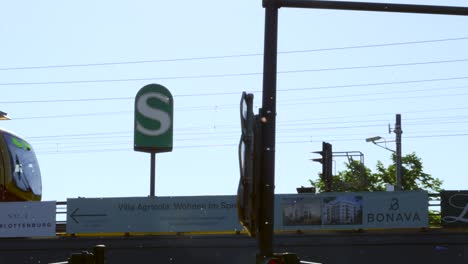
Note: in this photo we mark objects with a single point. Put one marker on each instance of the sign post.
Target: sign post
(153, 133)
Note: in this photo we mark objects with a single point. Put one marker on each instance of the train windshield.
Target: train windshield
(25, 168)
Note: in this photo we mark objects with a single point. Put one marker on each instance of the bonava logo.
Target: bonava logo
(147, 111)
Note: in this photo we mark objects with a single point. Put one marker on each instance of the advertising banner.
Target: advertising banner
(454, 208)
(153, 214)
(359, 210)
(218, 214)
(27, 219)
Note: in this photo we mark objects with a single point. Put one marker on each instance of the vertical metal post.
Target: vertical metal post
(152, 173)
(99, 254)
(268, 118)
(398, 133)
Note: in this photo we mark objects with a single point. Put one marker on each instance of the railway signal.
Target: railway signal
(327, 164)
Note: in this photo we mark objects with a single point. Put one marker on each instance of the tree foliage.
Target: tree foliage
(357, 177)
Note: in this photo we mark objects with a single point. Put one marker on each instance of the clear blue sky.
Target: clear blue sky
(343, 76)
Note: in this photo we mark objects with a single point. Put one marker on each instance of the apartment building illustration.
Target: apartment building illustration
(302, 212)
(342, 211)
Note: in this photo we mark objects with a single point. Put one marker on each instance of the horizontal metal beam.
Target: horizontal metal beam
(379, 7)
(354, 152)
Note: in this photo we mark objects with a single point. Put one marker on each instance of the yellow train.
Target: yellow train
(20, 176)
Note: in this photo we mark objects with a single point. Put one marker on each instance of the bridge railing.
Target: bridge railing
(434, 210)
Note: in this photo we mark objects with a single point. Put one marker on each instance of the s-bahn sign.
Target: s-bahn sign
(154, 108)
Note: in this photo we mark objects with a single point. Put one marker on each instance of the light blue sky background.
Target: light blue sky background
(84, 146)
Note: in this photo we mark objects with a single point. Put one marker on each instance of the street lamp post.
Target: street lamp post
(398, 151)
(398, 132)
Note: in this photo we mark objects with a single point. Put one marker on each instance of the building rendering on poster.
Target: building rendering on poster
(342, 210)
(332, 210)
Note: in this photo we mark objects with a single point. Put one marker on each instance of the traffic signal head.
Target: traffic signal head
(318, 159)
(326, 153)
(327, 164)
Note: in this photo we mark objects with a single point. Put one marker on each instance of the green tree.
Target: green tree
(413, 176)
(357, 177)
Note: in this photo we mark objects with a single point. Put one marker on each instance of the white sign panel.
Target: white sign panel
(352, 210)
(214, 214)
(27, 219)
(153, 214)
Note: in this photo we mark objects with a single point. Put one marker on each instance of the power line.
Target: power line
(72, 115)
(336, 137)
(286, 103)
(232, 74)
(289, 103)
(80, 135)
(281, 128)
(417, 119)
(67, 100)
(382, 114)
(381, 93)
(375, 66)
(233, 145)
(234, 138)
(108, 98)
(229, 56)
(375, 84)
(281, 90)
(441, 135)
(292, 103)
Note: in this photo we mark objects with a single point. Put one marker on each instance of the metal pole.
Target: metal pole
(379, 7)
(268, 118)
(153, 173)
(99, 254)
(398, 133)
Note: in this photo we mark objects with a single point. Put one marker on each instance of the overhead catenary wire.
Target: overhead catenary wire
(291, 128)
(230, 93)
(288, 103)
(85, 146)
(127, 139)
(230, 56)
(280, 90)
(232, 74)
(234, 137)
(285, 103)
(87, 151)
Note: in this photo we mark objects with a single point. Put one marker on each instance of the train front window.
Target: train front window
(25, 168)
